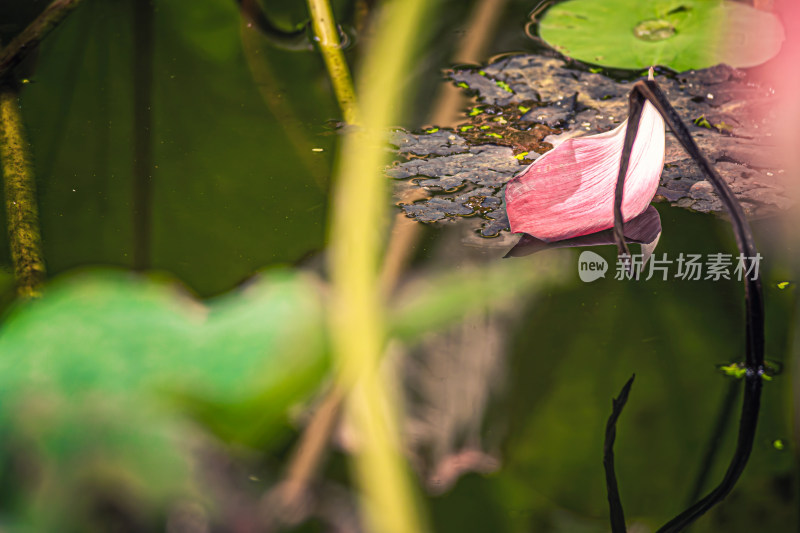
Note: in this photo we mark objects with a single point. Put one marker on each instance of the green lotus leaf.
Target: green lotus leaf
(101, 379)
(679, 34)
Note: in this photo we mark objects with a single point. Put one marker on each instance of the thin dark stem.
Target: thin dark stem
(744, 445)
(27, 41)
(143, 35)
(744, 236)
(754, 307)
(723, 418)
(634, 115)
(614, 502)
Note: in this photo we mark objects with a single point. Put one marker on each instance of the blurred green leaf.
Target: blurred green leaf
(90, 372)
(115, 364)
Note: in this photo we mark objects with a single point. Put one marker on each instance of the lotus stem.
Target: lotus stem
(25, 42)
(723, 418)
(356, 310)
(754, 316)
(614, 501)
(20, 194)
(754, 299)
(634, 116)
(327, 34)
(18, 177)
(315, 438)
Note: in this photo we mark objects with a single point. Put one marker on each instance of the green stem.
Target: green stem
(357, 229)
(20, 193)
(327, 35)
(18, 179)
(25, 42)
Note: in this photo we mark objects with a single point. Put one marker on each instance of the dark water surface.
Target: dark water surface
(243, 142)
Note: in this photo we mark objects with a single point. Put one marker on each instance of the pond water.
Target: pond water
(244, 139)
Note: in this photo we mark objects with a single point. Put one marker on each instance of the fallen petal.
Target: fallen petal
(569, 191)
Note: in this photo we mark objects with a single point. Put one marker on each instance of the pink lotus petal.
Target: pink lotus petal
(569, 191)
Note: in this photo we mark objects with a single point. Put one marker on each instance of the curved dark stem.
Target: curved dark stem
(754, 299)
(297, 40)
(614, 502)
(723, 418)
(754, 307)
(744, 445)
(27, 41)
(636, 104)
(539, 9)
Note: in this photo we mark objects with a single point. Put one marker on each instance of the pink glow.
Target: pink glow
(569, 191)
(782, 73)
